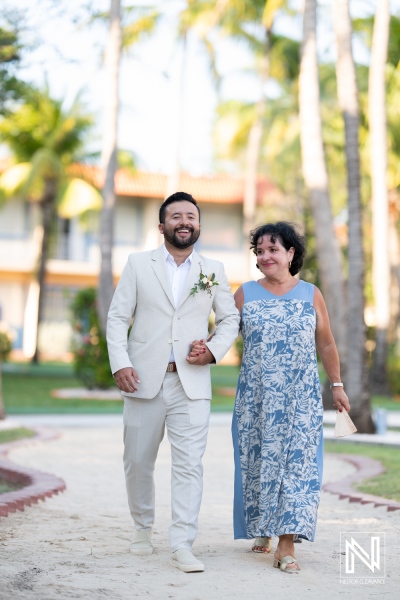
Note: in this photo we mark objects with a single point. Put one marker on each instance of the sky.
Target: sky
(68, 56)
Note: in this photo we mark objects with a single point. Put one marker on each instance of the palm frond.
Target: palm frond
(78, 197)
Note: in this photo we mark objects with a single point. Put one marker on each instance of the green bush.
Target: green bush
(393, 370)
(91, 362)
(5, 345)
(239, 348)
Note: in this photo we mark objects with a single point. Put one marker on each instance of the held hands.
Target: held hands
(340, 399)
(127, 380)
(199, 353)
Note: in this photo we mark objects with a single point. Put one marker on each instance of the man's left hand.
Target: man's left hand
(200, 354)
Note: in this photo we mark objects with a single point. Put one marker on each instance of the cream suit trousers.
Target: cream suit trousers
(187, 427)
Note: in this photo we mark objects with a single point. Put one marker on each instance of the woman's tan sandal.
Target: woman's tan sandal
(262, 544)
(283, 563)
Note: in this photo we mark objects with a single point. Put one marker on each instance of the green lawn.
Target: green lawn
(6, 487)
(27, 394)
(386, 485)
(10, 435)
(385, 402)
(27, 390)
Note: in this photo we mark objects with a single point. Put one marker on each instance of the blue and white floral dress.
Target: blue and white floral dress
(277, 420)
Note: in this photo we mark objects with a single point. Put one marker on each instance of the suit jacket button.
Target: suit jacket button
(169, 341)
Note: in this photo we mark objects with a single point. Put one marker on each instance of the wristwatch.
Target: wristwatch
(337, 384)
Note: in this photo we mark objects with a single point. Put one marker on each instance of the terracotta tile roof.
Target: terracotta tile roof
(220, 188)
(223, 189)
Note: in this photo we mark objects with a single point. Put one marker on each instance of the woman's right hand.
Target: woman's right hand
(340, 399)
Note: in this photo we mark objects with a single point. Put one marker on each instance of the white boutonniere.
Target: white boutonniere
(206, 282)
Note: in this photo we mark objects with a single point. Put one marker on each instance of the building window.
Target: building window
(57, 303)
(221, 228)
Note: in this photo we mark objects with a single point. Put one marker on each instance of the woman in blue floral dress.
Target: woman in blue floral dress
(277, 421)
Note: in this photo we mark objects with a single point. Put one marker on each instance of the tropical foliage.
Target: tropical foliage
(11, 49)
(45, 140)
(91, 362)
(326, 178)
(5, 345)
(126, 28)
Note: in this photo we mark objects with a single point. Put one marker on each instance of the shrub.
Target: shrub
(238, 345)
(393, 369)
(91, 362)
(5, 344)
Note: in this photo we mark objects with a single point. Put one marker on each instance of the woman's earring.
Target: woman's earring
(290, 264)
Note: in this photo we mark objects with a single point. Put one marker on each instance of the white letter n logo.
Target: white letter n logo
(354, 549)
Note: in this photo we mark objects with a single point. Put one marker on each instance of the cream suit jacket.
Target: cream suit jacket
(144, 294)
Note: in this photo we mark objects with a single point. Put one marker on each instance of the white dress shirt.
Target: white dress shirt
(178, 278)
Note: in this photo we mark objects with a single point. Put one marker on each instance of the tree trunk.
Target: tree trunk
(316, 180)
(109, 163)
(47, 205)
(357, 376)
(380, 200)
(253, 157)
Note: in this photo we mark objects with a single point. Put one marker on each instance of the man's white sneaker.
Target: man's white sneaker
(184, 560)
(141, 544)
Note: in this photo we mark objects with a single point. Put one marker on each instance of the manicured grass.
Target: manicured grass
(11, 435)
(223, 378)
(385, 402)
(386, 485)
(47, 369)
(5, 486)
(27, 390)
(31, 394)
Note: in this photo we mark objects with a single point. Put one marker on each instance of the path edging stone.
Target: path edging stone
(365, 469)
(37, 485)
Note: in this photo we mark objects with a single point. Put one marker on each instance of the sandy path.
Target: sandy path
(76, 545)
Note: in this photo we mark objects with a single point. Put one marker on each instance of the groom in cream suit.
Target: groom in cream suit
(163, 370)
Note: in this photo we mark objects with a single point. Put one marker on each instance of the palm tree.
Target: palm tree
(45, 140)
(380, 201)
(316, 179)
(232, 18)
(120, 38)
(11, 50)
(109, 161)
(356, 376)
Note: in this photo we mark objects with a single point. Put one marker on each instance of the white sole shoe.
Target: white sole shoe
(141, 545)
(184, 560)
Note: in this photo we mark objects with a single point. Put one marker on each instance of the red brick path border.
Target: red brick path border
(366, 468)
(37, 485)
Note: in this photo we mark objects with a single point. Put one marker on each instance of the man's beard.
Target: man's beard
(174, 241)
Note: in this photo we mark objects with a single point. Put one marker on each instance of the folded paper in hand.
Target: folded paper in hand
(344, 425)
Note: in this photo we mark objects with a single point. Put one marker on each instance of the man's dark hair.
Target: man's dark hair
(177, 197)
(288, 236)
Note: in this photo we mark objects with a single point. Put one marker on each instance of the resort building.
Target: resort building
(75, 255)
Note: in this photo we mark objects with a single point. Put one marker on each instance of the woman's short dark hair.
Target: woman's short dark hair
(288, 236)
(177, 197)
